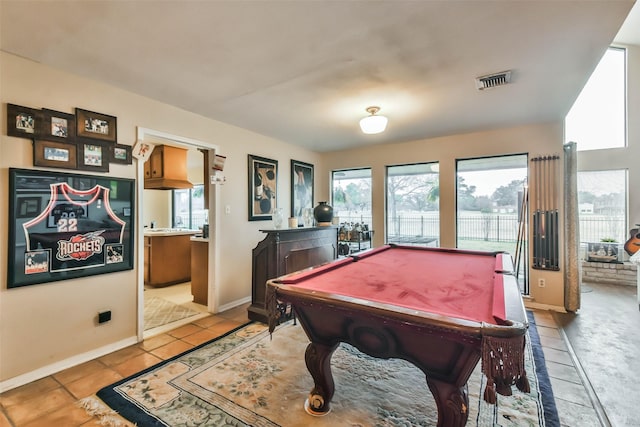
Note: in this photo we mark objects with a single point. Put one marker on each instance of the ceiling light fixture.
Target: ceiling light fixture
(373, 124)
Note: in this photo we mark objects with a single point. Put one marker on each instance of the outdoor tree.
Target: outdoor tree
(507, 195)
(466, 199)
(411, 192)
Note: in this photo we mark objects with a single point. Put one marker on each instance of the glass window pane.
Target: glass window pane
(489, 202)
(413, 204)
(188, 208)
(602, 201)
(351, 196)
(597, 119)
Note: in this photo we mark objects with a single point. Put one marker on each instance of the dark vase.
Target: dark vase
(323, 213)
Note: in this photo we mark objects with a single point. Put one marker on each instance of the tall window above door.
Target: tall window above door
(597, 119)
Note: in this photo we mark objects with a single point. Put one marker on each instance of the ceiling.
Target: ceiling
(304, 71)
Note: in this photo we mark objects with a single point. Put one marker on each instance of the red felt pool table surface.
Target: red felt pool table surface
(461, 284)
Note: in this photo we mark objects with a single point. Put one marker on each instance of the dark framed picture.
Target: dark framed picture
(59, 232)
(27, 207)
(93, 156)
(57, 126)
(90, 124)
(263, 187)
(121, 153)
(54, 154)
(22, 121)
(301, 189)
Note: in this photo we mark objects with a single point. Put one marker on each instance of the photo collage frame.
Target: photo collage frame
(86, 140)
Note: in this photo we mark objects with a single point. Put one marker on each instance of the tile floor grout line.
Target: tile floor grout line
(593, 397)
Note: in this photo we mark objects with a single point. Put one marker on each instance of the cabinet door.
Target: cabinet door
(147, 259)
(147, 169)
(157, 163)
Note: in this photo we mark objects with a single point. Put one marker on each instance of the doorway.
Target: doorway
(164, 306)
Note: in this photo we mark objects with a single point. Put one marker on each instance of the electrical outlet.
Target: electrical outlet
(541, 283)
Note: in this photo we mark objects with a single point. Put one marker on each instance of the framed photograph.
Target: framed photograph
(301, 189)
(22, 121)
(59, 232)
(93, 155)
(54, 154)
(94, 125)
(142, 150)
(57, 126)
(263, 187)
(121, 153)
(27, 207)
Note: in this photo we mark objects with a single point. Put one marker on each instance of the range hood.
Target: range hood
(166, 169)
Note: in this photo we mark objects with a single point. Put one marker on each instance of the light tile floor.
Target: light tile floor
(574, 398)
(52, 401)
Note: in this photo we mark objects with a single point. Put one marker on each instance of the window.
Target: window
(597, 119)
(491, 208)
(351, 196)
(413, 209)
(602, 203)
(188, 208)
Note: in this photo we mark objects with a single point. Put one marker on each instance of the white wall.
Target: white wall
(50, 326)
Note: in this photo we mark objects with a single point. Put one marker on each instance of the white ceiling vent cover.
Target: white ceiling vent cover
(493, 80)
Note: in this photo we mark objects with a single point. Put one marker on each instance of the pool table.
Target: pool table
(441, 309)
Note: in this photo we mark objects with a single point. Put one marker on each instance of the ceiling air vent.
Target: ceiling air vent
(493, 80)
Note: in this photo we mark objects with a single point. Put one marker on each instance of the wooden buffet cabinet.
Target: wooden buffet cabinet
(284, 251)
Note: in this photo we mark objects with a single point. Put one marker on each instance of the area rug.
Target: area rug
(159, 311)
(248, 378)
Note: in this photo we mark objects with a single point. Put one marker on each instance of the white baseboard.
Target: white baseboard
(54, 368)
(234, 304)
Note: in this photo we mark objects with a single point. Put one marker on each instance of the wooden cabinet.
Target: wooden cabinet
(200, 270)
(285, 251)
(166, 168)
(167, 260)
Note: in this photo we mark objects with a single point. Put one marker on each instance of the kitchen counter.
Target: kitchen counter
(167, 256)
(169, 232)
(200, 269)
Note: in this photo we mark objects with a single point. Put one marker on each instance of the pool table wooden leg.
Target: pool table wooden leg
(318, 359)
(452, 402)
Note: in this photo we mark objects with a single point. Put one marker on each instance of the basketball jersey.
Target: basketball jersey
(74, 228)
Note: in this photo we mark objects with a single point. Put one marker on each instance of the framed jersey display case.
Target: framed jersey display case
(64, 226)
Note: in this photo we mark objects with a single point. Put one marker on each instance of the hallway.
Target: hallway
(605, 337)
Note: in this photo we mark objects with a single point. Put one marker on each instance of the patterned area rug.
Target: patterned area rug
(248, 378)
(159, 311)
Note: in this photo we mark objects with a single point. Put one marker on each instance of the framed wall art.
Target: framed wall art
(21, 121)
(121, 153)
(94, 125)
(57, 126)
(142, 150)
(93, 156)
(54, 154)
(301, 189)
(263, 187)
(59, 232)
(28, 207)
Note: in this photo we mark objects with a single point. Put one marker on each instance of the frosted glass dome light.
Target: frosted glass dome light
(373, 124)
